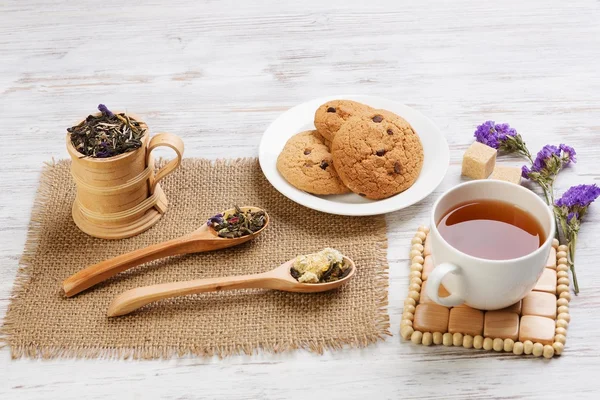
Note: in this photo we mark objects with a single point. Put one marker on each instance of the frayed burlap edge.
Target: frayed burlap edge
(33, 350)
(22, 278)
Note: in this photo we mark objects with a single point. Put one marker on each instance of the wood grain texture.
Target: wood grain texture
(217, 73)
(201, 240)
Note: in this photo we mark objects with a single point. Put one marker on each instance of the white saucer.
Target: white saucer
(301, 117)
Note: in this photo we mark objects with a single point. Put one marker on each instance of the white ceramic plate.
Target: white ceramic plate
(301, 117)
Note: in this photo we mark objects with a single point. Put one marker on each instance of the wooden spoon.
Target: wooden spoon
(203, 239)
(278, 279)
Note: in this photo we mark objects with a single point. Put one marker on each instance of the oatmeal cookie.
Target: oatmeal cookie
(305, 162)
(332, 115)
(377, 155)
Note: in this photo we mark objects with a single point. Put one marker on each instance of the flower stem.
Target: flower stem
(572, 244)
(546, 196)
(557, 230)
(527, 154)
(550, 189)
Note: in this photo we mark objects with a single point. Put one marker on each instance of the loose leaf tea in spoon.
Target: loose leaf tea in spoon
(107, 134)
(238, 224)
(325, 266)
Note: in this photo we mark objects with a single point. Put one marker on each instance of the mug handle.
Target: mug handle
(169, 140)
(435, 280)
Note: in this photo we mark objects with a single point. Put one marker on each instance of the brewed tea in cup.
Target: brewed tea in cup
(490, 241)
(491, 229)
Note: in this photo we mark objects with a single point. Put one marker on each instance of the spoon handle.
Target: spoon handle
(133, 299)
(97, 273)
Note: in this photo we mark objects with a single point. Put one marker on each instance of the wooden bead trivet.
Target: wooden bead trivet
(536, 325)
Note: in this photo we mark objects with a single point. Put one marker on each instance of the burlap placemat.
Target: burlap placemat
(41, 322)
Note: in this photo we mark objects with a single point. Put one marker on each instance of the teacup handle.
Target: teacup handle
(435, 280)
(169, 140)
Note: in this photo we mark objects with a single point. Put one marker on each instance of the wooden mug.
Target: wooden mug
(120, 196)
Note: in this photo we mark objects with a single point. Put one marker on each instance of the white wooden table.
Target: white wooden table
(217, 73)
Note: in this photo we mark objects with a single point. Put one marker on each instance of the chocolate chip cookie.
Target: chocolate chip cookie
(377, 155)
(306, 163)
(332, 115)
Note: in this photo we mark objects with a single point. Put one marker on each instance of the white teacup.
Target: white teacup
(477, 282)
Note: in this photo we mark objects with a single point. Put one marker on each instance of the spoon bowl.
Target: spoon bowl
(279, 278)
(208, 231)
(202, 239)
(283, 272)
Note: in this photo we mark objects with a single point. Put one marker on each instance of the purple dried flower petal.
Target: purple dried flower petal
(486, 134)
(104, 110)
(569, 154)
(544, 156)
(103, 154)
(500, 137)
(217, 219)
(572, 215)
(525, 171)
(504, 130)
(579, 196)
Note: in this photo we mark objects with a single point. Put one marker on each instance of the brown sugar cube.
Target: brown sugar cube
(427, 247)
(501, 324)
(431, 318)
(515, 308)
(547, 282)
(551, 263)
(540, 303)
(537, 329)
(442, 292)
(478, 161)
(466, 320)
(427, 267)
(508, 174)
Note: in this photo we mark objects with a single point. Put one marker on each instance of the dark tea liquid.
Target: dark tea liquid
(491, 229)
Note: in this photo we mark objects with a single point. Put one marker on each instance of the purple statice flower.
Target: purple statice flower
(216, 220)
(570, 210)
(568, 154)
(573, 205)
(546, 158)
(486, 133)
(504, 131)
(546, 166)
(104, 110)
(579, 196)
(501, 137)
(549, 161)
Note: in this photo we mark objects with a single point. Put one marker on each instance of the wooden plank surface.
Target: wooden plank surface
(218, 72)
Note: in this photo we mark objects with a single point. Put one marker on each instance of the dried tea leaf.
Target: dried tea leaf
(240, 223)
(107, 135)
